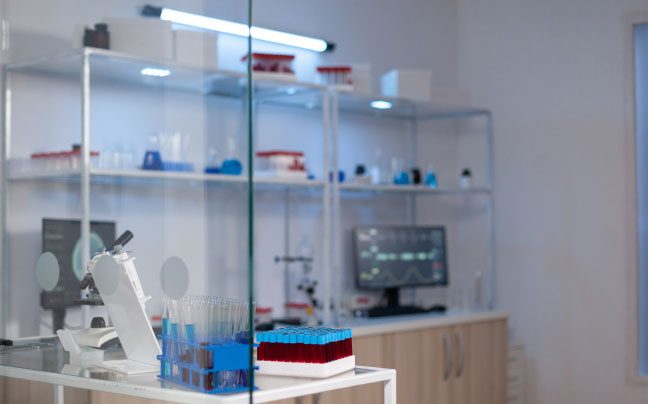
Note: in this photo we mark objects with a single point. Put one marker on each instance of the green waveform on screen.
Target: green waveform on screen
(411, 273)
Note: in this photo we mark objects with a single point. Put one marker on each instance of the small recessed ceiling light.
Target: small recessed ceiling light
(380, 104)
(291, 91)
(152, 71)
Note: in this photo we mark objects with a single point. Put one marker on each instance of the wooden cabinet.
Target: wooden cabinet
(31, 392)
(487, 362)
(447, 365)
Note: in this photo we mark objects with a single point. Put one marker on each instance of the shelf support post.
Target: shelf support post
(491, 213)
(85, 170)
(326, 214)
(337, 241)
(6, 145)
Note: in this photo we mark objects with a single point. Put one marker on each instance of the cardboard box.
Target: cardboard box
(403, 83)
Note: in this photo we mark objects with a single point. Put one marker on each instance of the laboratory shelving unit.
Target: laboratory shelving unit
(108, 66)
(346, 103)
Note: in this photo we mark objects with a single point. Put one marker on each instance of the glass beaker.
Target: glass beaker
(152, 157)
(399, 175)
(430, 176)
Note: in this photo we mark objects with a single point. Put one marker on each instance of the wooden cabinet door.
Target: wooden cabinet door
(461, 357)
(404, 352)
(486, 364)
(436, 374)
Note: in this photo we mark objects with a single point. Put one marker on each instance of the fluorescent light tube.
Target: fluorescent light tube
(380, 104)
(235, 28)
(155, 72)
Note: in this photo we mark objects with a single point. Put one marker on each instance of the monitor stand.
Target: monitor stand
(393, 307)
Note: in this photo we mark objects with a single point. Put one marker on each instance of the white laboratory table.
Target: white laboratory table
(50, 364)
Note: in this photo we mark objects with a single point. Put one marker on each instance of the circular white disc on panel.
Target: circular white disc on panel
(174, 277)
(47, 271)
(78, 267)
(106, 275)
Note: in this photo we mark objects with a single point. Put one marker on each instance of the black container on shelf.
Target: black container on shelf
(102, 36)
(98, 37)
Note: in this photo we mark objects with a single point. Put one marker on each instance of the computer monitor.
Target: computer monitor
(63, 239)
(393, 257)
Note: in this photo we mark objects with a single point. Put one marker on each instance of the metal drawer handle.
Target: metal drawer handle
(462, 354)
(447, 345)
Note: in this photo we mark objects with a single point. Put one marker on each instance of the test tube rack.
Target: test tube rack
(305, 352)
(204, 367)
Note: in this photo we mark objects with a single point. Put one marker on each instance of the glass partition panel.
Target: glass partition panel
(127, 186)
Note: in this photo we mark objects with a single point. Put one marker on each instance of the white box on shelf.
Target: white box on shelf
(405, 83)
(281, 164)
(361, 78)
(310, 370)
(196, 48)
(282, 174)
(148, 38)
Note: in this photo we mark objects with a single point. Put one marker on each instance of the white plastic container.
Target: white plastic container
(310, 370)
(196, 48)
(410, 84)
(263, 315)
(272, 65)
(148, 38)
(361, 78)
(281, 164)
(334, 75)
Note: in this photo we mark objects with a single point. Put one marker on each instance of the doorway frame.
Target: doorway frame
(631, 237)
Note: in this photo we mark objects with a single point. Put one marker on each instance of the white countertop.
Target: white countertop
(150, 387)
(46, 362)
(365, 327)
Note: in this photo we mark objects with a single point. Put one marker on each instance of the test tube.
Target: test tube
(166, 331)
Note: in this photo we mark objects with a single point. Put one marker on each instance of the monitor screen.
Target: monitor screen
(400, 256)
(63, 239)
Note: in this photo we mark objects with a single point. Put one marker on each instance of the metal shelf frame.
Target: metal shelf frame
(343, 101)
(330, 101)
(114, 66)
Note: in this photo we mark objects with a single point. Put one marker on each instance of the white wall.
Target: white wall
(553, 74)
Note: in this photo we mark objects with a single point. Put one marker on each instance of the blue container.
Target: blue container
(200, 366)
(177, 166)
(231, 167)
(430, 180)
(152, 160)
(212, 170)
(341, 176)
(402, 178)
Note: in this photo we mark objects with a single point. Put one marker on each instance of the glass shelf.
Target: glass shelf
(401, 108)
(153, 177)
(114, 67)
(413, 189)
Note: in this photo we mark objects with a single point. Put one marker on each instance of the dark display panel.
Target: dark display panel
(63, 239)
(400, 256)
